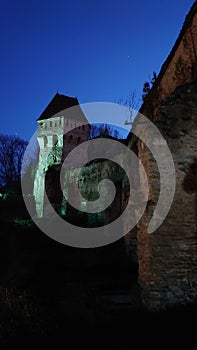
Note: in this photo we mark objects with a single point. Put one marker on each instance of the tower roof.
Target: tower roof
(58, 104)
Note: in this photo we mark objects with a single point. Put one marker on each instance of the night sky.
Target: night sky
(97, 51)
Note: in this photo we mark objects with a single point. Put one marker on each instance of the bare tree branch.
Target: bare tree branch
(12, 149)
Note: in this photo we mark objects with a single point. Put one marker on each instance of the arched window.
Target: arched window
(70, 138)
(45, 140)
(55, 140)
(78, 140)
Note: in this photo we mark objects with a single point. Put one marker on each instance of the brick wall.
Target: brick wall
(167, 258)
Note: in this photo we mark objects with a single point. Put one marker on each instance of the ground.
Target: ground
(57, 296)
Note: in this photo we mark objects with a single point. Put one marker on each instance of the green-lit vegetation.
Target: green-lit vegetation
(23, 223)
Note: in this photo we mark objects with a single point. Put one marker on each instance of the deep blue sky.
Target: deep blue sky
(97, 51)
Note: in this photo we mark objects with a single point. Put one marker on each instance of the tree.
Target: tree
(12, 149)
(132, 102)
(148, 86)
(102, 130)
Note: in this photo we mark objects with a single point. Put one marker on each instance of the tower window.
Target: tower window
(70, 138)
(78, 140)
(55, 140)
(45, 140)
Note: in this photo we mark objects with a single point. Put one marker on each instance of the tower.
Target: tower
(60, 129)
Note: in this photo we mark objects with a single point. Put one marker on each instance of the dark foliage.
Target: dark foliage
(190, 180)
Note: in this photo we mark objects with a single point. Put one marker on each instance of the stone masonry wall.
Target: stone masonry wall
(167, 258)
